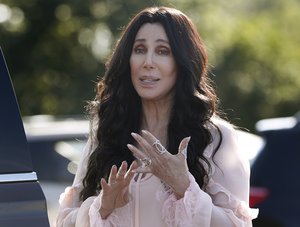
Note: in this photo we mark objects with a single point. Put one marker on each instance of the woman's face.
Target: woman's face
(153, 67)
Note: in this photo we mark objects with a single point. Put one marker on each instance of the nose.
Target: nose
(149, 63)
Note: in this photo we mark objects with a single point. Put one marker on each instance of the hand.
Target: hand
(115, 193)
(172, 169)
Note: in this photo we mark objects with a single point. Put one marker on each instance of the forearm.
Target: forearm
(197, 207)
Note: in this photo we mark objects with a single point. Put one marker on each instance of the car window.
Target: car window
(22, 200)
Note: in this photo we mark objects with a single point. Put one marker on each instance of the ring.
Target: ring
(158, 147)
(146, 162)
(184, 152)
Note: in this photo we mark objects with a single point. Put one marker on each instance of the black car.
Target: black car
(275, 173)
(22, 202)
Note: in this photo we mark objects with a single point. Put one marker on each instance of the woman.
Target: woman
(156, 112)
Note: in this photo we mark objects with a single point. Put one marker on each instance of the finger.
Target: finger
(142, 170)
(136, 152)
(155, 143)
(184, 144)
(130, 172)
(104, 185)
(139, 155)
(149, 136)
(142, 142)
(122, 170)
(112, 175)
(182, 149)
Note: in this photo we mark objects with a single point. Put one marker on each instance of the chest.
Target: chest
(148, 194)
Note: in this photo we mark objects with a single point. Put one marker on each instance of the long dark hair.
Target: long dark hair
(118, 109)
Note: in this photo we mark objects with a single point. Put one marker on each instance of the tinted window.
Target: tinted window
(13, 158)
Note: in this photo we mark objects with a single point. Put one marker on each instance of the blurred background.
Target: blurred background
(57, 49)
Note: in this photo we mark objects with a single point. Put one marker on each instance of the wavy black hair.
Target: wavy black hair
(118, 108)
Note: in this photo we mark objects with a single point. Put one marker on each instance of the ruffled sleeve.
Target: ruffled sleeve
(69, 202)
(75, 213)
(119, 217)
(66, 214)
(225, 199)
(186, 211)
(85, 214)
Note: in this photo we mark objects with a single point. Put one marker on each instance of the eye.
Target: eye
(139, 50)
(163, 51)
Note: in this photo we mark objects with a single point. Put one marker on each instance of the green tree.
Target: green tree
(257, 74)
(254, 55)
(56, 50)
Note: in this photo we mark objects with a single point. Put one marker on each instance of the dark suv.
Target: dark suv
(22, 202)
(275, 172)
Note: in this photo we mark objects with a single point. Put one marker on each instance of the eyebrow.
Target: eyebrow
(157, 41)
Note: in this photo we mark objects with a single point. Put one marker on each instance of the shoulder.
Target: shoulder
(230, 154)
(225, 143)
(224, 126)
(222, 132)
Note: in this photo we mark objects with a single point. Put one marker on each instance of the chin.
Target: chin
(147, 95)
(148, 98)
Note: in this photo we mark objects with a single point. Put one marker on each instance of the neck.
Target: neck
(156, 116)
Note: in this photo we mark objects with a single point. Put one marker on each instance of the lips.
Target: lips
(149, 79)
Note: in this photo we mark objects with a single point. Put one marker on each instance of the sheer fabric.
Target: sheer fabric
(223, 202)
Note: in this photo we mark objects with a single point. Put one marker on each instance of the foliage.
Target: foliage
(257, 74)
(56, 49)
(254, 54)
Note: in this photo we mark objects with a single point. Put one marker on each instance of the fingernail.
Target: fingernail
(129, 146)
(144, 131)
(133, 134)
(188, 138)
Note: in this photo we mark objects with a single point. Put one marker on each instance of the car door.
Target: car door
(22, 202)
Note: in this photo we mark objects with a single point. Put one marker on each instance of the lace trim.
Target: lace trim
(119, 217)
(162, 195)
(238, 207)
(69, 198)
(69, 201)
(181, 212)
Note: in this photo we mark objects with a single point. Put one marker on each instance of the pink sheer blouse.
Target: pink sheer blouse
(223, 201)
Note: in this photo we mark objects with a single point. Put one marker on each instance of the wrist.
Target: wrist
(181, 186)
(104, 213)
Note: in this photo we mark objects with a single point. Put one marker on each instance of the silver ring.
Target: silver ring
(146, 162)
(184, 152)
(158, 147)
